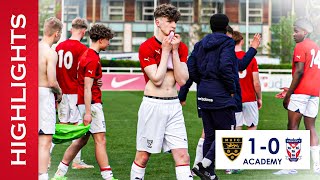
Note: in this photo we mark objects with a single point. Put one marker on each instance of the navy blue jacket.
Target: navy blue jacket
(184, 91)
(238, 66)
(211, 66)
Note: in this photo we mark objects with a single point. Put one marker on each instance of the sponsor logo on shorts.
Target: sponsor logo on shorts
(103, 124)
(149, 143)
(232, 147)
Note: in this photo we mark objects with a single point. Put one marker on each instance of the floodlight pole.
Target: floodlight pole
(292, 8)
(64, 25)
(93, 11)
(154, 24)
(247, 25)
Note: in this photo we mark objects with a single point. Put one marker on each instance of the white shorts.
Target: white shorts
(98, 123)
(160, 125)
(249, 115)
(67, 109)
(47, 111)
(304, 104)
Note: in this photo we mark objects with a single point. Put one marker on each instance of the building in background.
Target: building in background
(132, 20)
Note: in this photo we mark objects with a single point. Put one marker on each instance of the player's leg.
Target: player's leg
(102, 156)
(139, 165)
(199, 152)
(98, 130)
(182, 161)
(75, 118)
(63, 115)
(296, 107)
(69, 155)
(314, 142)
(46, 128)
(294, 119)
(44, 155)
(240, 121)
(175, 139)
(309, 121)
(150, 133)
(212, 120)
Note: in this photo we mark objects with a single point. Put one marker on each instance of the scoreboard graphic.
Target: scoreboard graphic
(263, 149)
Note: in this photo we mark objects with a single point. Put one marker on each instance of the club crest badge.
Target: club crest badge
(232, 147)
(149, 143)
(293, 147)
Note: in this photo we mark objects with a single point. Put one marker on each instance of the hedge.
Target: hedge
(130, 63)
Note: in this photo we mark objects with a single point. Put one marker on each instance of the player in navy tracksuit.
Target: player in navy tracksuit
(241, 66)
(212, 65)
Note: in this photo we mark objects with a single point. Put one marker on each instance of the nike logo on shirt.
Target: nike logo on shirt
(90, 71)
(117, 84)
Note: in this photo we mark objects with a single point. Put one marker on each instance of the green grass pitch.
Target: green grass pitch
(121, 110)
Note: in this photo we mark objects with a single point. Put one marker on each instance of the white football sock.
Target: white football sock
(315, 154)
(62, 170)
(183, 173)
(199, 152)
(106, 173)
(137, 172)
(44, 176)
(206, 162)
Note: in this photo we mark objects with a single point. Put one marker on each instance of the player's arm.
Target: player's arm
(192, 65)
(227, 58)
(88, 82)
(183, 92)
(180, 70)
(257, 88)
(296, 78)
(52, 59)
(157, 74)
(243, 64)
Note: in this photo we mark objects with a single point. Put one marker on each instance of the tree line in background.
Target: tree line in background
(282, 43)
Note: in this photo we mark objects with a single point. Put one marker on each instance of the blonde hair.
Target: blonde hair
(79, 23)
(51, 25)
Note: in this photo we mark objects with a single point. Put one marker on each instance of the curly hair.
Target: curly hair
(237, 37)
(100, 31)
(167, 10)
(79, 23)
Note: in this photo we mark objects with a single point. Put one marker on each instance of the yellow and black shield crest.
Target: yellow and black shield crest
(232, 147)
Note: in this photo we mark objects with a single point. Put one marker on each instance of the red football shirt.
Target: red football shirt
(89, 66)
(246, 79)
(150, 53)
(69, 52)
(308, 52)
